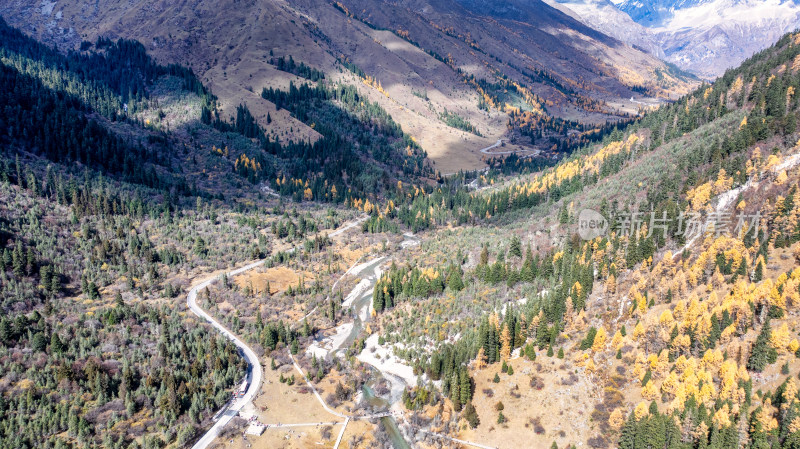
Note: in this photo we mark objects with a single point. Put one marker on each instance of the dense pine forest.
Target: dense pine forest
(359, 130)
(94, 350)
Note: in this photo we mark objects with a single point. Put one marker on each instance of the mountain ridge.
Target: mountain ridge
(705, 37)
(231, 53)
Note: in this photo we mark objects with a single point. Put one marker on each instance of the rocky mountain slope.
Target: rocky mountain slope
(710, 37)
(604, 16)
(655, 13)
(705, 37)
(423, 62)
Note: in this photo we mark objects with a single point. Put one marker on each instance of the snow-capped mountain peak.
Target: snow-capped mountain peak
(702, 36)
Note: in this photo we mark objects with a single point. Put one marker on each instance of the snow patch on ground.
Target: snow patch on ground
(266, 189)
(348, 226)
(408, 243)
(322, 348)
(518, 302)
(724, 200)
(787, 163)
(359, 268)
(365, 312)
(47, 7)
(387, 363)
(357, 291)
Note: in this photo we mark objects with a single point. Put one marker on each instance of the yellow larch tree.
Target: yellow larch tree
(670, 384)
(480, 359)
(649, 391)
(723, 182)
(617, 340)
(780, 339)
(638, 331)
(666, 320)
(794, 426)
(699, 196)
(611, 284)
(641, 411)
(722, 417)
(766, 417)
(794, 345)
(599, 340)
(505, 343)
(589, 365)
(728, 380)
(681, 343)
(789, 393)
(616, 419)
(662, 363)
(639, 366)
(568, 313)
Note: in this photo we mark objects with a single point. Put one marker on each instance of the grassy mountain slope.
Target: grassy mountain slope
(639, 339)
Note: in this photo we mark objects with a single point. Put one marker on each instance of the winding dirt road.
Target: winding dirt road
(255, 371)
(493, 146)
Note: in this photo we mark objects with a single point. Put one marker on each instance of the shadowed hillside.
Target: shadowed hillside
(420, 61)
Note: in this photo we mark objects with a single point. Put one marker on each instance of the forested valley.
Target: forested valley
(124, 182)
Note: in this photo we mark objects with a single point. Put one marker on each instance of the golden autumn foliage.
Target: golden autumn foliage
(723, 182)
(641, 411)
(599, 340)
(245, 162)
(616, 419)
(699, 196)
(766, 417)
(722, 417)
(589, 365)
(480, 359)
(375, 84)
(781, 338)
(617, 340)
(649, 391)
(638, 331)
(505, 343)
